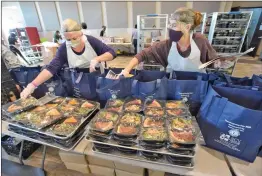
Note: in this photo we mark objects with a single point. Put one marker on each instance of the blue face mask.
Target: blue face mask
(175, 36)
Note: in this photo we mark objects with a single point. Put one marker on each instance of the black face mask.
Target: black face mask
(175, 36)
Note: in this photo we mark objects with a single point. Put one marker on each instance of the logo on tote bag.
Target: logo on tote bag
(114, 93)
(234, 132)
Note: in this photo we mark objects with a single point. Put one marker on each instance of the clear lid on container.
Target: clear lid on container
(177, 112)
(19, 106)
(132, 108)
(175, 104)
(155, 112)
(153, 122)
(184, 136)
(154, 103)
(107, 115)
(131, 118)
(126, 130)
(116, 109)
(133, 101)
(66, 127)
(153, 134)
(114, 103)
(102, 125)
(180, 123)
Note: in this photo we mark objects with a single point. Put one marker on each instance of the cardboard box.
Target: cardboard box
(71, 157)
(155, 173)
(124, 173)
(129, 168)
(100, 162)
(83, 168)
(101, 171)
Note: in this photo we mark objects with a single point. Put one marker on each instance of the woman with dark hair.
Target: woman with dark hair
(12, 39)
(84, 29)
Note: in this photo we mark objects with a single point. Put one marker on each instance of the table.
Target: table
(243, 168)
(208, 162)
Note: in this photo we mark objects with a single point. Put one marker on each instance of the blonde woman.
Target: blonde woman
(79, 51)
(184, 50)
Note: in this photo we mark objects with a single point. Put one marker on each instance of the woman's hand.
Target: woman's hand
(27, 91)
(93, 64)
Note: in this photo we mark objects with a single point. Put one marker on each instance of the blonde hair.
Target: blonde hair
(70, 25)
(188, 16)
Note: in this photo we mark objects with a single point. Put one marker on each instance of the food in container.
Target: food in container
(181, 123)
(67, 108)
(116, 102)
(131, 118)
(107, 115)
(132, 108)
(73, 102)
(135, 101)
(182, 136)
(14, 108)
(58, 100)
(175, 104)
(66, 127)
(154, 134)
(103, 125)
(28, 101)
(23, 117)
(155, 112)
(177, 112)
(84, 109)
(115, 109)
(126, 130)
(42, 120)
(153, 122)
(153, 104)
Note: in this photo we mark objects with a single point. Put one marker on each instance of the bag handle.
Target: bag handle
(219, 107)
(158, 85)
(99, 82)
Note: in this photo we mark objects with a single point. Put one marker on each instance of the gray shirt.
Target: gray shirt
(9, 58)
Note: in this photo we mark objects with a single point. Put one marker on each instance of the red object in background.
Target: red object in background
(33, 35)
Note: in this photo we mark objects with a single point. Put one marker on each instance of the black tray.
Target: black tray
(124, 141)
(126, 151)
(103, 148)
(179, 162)
(151, 156)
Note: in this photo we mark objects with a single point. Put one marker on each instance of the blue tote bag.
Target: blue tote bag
(231, 121)
(111, 88)
(190, 85)
(150, 84)
(84, 83)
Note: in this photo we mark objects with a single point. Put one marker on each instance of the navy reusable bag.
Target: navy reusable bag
(112, 88)
(84, 83)
(190, 85)
(150, 84)
(231, 121)
(65, 75)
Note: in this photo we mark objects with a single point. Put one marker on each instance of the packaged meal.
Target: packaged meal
(114, 103)
(102, 125)
(154, 104)
(133, 101)
(20, 105)
(107, 115)
(177, 112)
(182, 136)
(154, 112)
(154, 134)
(115, 109)
(175, 104)
(58, 100)
(153, 122)
(126, 130)
(67, 126)
(84, 109)
(131, 118)
(132, 108)
(181, 123)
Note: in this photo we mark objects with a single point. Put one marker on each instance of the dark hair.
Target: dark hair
(84, 26)
(136, 26)
(13, 35)
(57, 32)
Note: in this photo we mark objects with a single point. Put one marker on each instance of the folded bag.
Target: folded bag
(150, 84)
(84, 83)
(113, 88)
(189, 85)
(231, 121)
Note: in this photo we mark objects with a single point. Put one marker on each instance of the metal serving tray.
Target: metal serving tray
(56, 145)
(43, 132)
(141, 158)
(163, 150)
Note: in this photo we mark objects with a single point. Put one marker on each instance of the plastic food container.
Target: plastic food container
(180, 123)
(131, 118)
(133, 105)
(99, 136)
(107, 115)
(153, 135)
(177, 112)
(125, 141)
(126, 130)
(103, 148)
(19, 106)
(114, 103)
(133, 101)
(172, 104)
(126, 151)
(185, 136)
(179, 161)
(151, 155)
(181, 149)
(153, 122)
(154, 104)
(115, 109)
(154, 112)
(102, 125)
